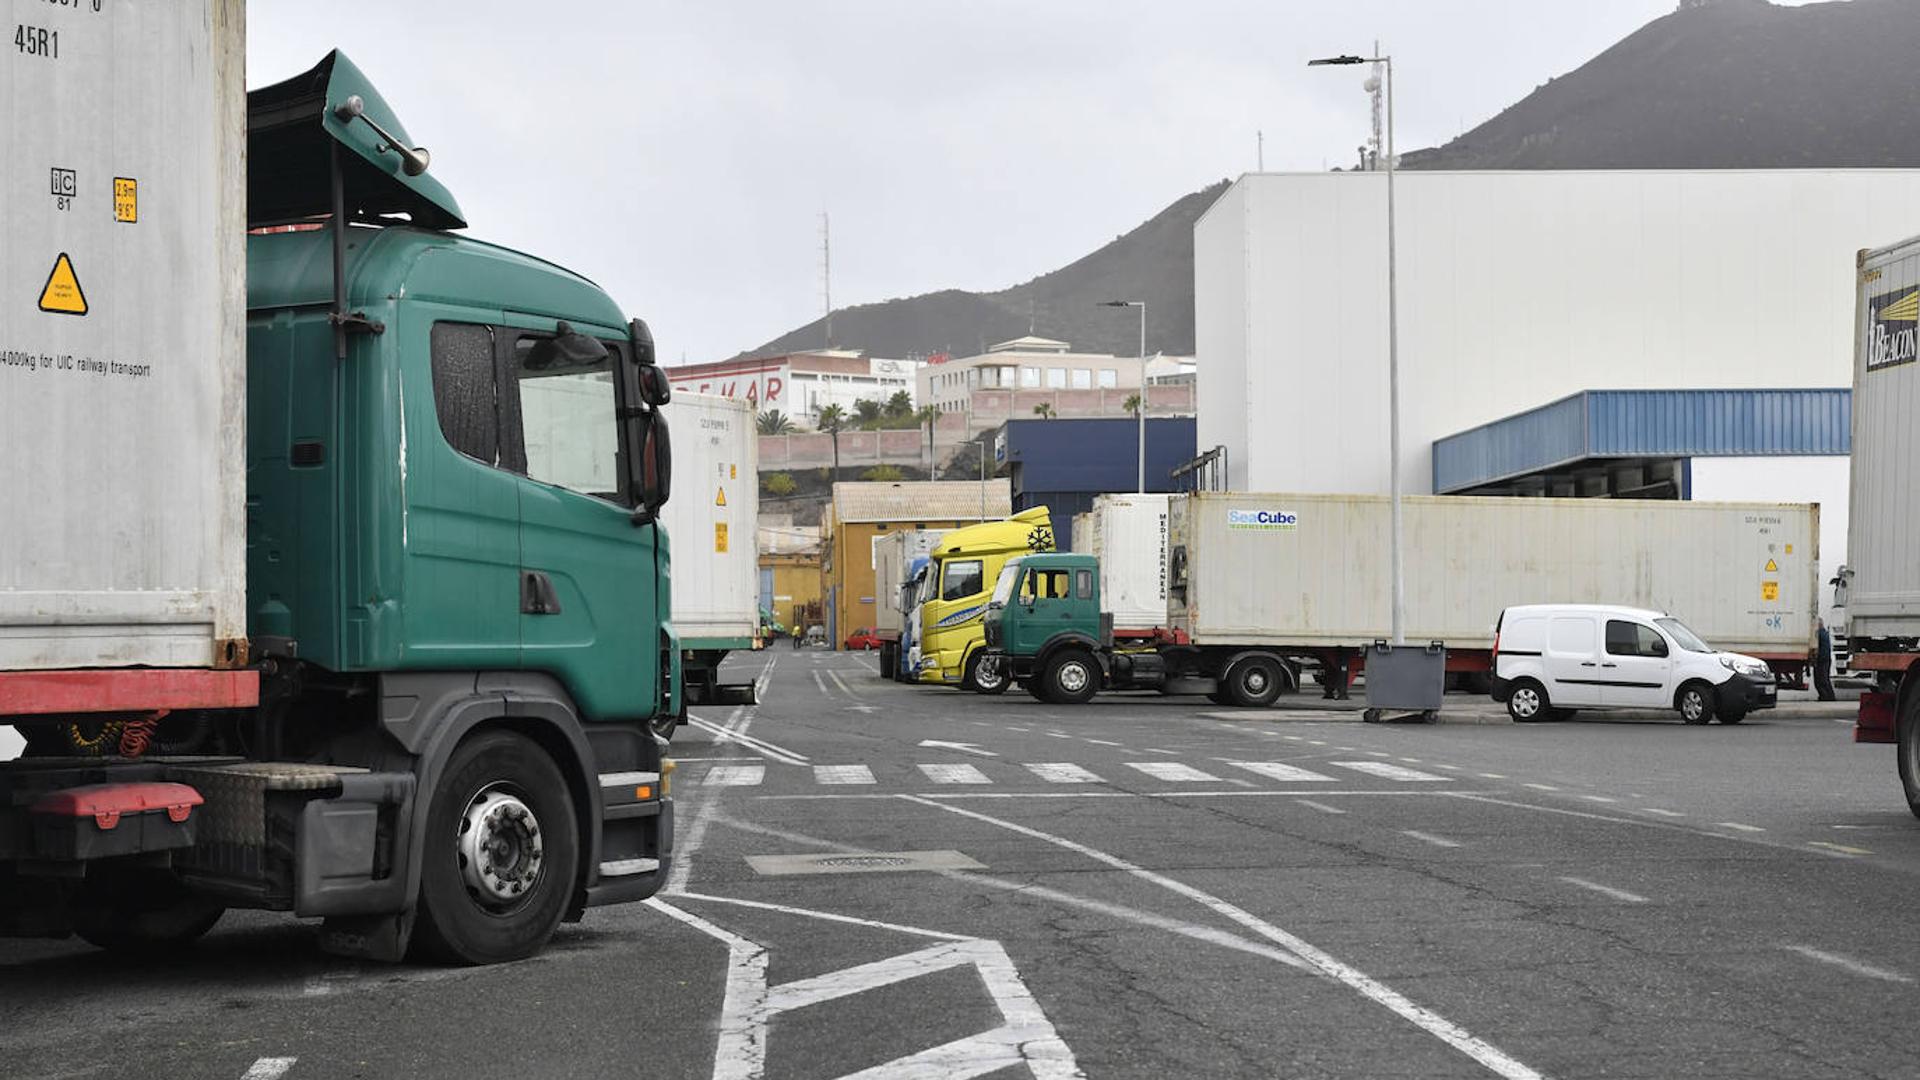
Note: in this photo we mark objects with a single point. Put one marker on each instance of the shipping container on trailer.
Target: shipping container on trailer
(896, 556)
(1881, 584)
(712, 527)
(1128, 534)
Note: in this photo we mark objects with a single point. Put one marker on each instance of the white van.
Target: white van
(1551, 659)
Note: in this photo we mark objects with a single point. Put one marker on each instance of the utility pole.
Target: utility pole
(1260, 153)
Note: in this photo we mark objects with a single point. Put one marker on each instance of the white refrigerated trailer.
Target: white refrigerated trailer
(711, 526)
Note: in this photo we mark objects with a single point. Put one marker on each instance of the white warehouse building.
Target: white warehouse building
(1525, 299)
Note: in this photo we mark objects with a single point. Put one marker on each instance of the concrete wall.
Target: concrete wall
(1786, 479)
(1515, 289)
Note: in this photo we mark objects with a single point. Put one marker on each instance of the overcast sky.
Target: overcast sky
(680, 154)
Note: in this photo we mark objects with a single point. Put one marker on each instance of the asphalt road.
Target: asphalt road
(884, 881)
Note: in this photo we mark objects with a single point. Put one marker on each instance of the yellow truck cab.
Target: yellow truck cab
(960, 580)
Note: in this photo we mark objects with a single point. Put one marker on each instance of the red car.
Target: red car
(863, 638)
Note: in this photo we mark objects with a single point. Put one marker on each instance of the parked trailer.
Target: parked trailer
(1261, 584)
(897, 558)
(342, 591)
(1128, 535)
(1881, 582)
(716, 570)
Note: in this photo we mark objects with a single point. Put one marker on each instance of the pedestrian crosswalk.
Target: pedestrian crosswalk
(1124, 773)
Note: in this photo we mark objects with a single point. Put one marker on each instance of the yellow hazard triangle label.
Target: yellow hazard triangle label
(1772, 567)
(62, 294)
(720, 499)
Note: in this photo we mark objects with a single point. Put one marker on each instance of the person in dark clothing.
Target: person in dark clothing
(1823, 661)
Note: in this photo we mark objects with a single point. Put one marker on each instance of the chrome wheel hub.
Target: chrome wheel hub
(501, 848)
(1073, 678)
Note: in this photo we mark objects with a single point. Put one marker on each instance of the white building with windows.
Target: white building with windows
(801, 384)
(1027, 363)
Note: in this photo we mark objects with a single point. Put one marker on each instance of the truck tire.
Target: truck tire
(502, 853)
(1695, 701)
(1527, 702)
(1035, 688)
(1909, 751)
(1255, 682)
(145, 914)
(982, 677)
(1072, 677)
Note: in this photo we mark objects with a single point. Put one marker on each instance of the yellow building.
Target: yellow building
(795, 583)
(862, 512)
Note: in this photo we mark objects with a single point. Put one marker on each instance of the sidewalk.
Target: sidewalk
(1473, 709)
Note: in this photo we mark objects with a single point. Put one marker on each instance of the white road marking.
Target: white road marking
(1662, 813)
(735, 776)
(841, 683)
(1025, 1036)
(696, 831)
(1183, 794)
(1174, 772)
(1421, 1017)
(1379, 753)
(1413, 761)
(1060, 772)
(822, 684)
(1320, 806)
(954, 774)
(1058, 735)
(1838, 849)
(1848, 964)
(1599, 798)
(1429, 838)
(1541, 787)
(1280, 770)
(1316, 742)
(766, 676)
(1103, 742)
(1621, 895)
(1387, 772)
(1294, 738)
(842, 774)
(963, 747)
(1453, 768)
(268, 1068)
(1737, 825)
(759, 746)
(1494, 775)
(1023, 730)
(1169, 753)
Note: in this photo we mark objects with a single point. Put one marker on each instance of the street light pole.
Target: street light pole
(1140, 413)
(1393, 349)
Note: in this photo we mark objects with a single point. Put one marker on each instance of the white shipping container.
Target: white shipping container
(1883, 543)
(1128, 534)
(122, 309)
(892, 555)
(1516, 289)
(1314, 571)
(710, 521)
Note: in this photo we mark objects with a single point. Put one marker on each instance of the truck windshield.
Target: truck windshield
(1004, 585)
(1682, 636)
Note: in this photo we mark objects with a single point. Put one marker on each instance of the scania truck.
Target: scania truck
(331, 576)
(960, 576)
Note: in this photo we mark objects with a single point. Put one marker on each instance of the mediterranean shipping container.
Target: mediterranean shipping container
(1308, 571)
(1128, 534)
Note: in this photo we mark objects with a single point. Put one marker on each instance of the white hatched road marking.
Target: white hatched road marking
(1173, 772)
(1848, 964)
(735, 775)
(1737, 825)
(1061, 772)
(1621, 895)
(1280, 770)
(1388, 772)
(842, 774)
(1429, 838)
(269, 1068)
(954, 774)
(1660, 812)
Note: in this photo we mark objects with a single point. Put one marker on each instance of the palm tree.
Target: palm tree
(1132, 405)
(900, 405)
(866, 413)
(928, 415)
(833, 418)
(1044, 411)
(773, 422)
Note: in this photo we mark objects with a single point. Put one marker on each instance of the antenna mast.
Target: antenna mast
(826, 275)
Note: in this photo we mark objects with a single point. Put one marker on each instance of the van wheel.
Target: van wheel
(1527, 702)
(1695, 702)
(502, 853)
(1071, 677)
(1255, 682)
(983, 675)
(1728, 716)
(1910, 751)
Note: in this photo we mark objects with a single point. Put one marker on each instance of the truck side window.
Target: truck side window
(1083, 584)
(569, 424)
(464, 394)
(960, 579)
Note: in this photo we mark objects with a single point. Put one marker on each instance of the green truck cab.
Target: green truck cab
(1045, 627)
(442, 728)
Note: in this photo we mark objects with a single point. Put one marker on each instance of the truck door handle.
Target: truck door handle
(537, 595)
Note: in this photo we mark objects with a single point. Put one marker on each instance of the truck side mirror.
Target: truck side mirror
(652, 480)
(655, 389)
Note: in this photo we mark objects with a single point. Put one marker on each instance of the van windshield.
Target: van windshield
(1003, 585)
(1682, 636)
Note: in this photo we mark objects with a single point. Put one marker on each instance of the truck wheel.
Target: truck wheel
(983, 676)
(502, 851)
(1072, 677)
(1527, 702)
(1910, 751)
(143, 915)
(1695, 702)
(1255, 682)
